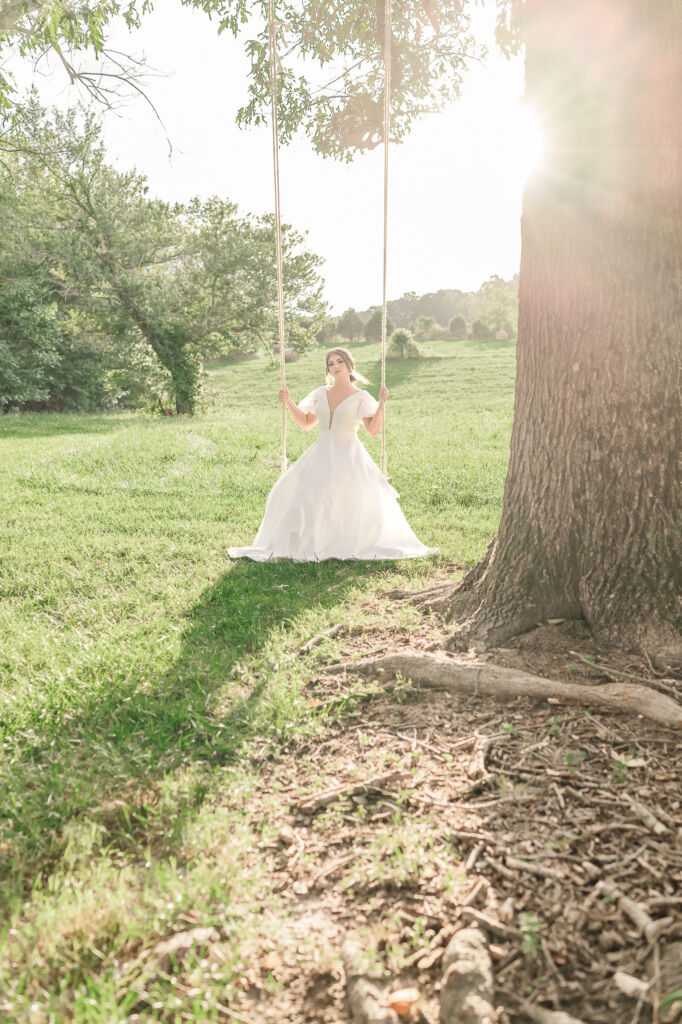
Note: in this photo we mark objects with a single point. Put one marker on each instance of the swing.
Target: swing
(278, 224)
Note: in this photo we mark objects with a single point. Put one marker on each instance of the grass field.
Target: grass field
(140, 669)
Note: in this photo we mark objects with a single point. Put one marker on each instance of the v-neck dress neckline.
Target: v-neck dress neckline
(332, 412)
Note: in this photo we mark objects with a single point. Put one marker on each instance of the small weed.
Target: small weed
(574, 758)
(530, 928)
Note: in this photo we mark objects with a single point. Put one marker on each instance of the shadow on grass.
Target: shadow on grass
(233, 621)
(103, 765)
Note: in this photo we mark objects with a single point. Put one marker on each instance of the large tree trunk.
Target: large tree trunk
(590, 519)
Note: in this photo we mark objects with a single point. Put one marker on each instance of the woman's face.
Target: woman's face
(338, 368)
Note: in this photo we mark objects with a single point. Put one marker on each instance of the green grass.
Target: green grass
(139, 667)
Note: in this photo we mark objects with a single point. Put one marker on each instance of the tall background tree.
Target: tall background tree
(114, 251)
(106, 274)
(234, 285)
(350, 325)
(495, 306)
(372, 329)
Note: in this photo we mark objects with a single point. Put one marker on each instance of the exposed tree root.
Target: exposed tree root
(667, 657)
(442, 672)
(467, 993)
(480, 633)
(366, 993)
(436, 599)
(477, 623)
(447, 599)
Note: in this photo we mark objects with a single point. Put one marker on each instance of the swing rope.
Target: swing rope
(278, 219)
(387, 124)
(278, 222)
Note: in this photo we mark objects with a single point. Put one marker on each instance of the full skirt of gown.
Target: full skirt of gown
(334, 501)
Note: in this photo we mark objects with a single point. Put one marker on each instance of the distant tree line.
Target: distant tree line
(448, 314)
(110, 297)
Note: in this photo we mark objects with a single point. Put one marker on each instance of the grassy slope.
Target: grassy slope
(138, 666)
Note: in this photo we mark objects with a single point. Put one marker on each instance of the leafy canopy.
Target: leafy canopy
(330, 80)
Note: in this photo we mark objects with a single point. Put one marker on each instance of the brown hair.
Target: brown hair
(347, 358)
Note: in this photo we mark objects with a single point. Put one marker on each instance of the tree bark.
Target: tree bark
(467, 992)
(590, 519)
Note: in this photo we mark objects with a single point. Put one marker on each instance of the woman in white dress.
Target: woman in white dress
(334, 502)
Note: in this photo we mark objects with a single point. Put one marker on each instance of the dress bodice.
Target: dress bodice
(345, 417)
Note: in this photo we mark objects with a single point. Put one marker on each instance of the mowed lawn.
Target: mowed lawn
(139, 666)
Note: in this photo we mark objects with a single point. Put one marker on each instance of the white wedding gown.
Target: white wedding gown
(334, 502)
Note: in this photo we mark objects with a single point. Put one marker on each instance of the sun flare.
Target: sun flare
(524, 141)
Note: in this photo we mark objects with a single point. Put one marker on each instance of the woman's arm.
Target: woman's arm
(373, 423)
(306, 420)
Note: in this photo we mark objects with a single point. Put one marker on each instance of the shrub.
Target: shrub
(457, 327)
(403, 346)
(480, 330)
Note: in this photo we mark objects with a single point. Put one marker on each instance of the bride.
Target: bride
(334, 502)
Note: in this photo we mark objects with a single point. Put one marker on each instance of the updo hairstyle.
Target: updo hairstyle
(348, 360)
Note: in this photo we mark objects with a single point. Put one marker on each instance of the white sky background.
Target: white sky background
(455, 183)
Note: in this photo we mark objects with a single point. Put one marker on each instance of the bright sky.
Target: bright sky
(455, 183)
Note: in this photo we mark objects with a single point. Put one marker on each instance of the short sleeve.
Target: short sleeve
(309, 403)
(367, 406)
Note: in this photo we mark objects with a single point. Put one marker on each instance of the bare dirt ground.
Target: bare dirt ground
(556, 830)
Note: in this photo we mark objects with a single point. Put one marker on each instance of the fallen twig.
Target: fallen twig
(481, 750)
(319, 800)
(646, 816)
(330, 869)
(319, 638)
(496, 927)
(635, 988)
(635, 911)
(535, 869)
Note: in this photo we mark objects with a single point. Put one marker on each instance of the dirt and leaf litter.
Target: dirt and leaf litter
(440, 856)
(482, 860)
